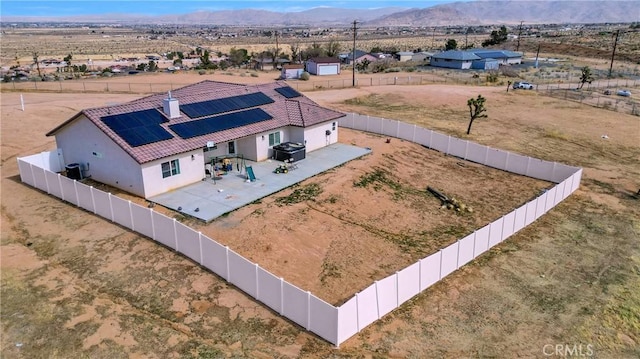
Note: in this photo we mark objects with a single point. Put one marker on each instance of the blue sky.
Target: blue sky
(160, 7)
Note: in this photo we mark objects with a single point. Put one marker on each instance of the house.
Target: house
(464, 59)
(267, 63)
(504, 57)
(161, 142)
(422, 56)
(347, 58)
(291, 71)
(323, 66)
(404, 56)
(454, 59)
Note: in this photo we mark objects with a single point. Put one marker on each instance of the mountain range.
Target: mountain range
(458, 13)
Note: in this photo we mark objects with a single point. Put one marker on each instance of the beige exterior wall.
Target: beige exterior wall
(104, 161)
(315, 136)
(191, 170)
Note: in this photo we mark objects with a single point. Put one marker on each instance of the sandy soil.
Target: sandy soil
(75, 285)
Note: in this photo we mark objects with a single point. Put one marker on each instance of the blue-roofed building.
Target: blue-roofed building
(458, 59)
(454, 59)
(485, 64)
(161, 142)
(504, 57)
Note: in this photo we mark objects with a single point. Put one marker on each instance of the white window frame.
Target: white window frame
(274, 138)
(170, 168)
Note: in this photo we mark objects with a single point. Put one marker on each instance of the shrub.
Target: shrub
(305, 76)
(253, 74)
(202, 72)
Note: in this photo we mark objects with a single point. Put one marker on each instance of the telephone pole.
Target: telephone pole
(275, 62)
(353, 56)
(519, 34)
(613, 54)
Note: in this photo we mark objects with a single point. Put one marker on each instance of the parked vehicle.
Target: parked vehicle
(522, 85)
(625, 93)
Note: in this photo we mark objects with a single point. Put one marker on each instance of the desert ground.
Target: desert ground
(75, 285)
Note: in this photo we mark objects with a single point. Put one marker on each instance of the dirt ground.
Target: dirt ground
(74, 285)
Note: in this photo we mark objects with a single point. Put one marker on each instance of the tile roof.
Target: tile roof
(299, 111)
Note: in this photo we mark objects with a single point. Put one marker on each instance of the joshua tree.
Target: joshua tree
(37, 61)
(585, 76)
(476, 110)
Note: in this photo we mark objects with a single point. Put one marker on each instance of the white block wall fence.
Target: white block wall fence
(334, 324)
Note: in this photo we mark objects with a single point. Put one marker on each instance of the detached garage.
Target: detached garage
(322, 66)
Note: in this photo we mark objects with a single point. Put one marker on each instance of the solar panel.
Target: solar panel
(288, 92)
(219, 123)
(138, 128)
(228, 104)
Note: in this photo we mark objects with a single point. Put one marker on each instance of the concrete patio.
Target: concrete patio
(210, 199)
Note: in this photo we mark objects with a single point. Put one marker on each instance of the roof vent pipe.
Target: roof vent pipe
(171, 107)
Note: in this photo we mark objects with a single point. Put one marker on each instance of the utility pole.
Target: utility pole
(613, 54)
(519, 34)
(433, 38)
(275, 61)
(353, 56)
(537, 53)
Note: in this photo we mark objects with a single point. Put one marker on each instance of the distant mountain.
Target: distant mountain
(315, 17)
(478, 12)
(498, 12)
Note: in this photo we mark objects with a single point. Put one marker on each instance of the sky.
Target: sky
(162, 7)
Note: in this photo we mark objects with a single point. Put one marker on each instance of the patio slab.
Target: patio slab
(210, 199)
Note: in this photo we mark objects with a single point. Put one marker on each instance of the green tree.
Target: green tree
(452, 44)
(205, 61)
(152, 67)
(497, 37)
(476, 110)
(586, 76)
(333, 48)
(315, 50)
(238, 57)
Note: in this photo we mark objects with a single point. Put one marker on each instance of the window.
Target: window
(333, 126)
(170, 168)
(274, 138)
(232, 147)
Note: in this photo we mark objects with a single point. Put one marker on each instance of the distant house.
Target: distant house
(161, 142)
(347, 58)
(322, 66)
(504, 57)
(422, 56)
(291, 71)
(404, 56)
(267, 63)
(454, 59)
(471, 59)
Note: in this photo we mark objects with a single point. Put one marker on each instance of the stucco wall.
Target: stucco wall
(191, 170)
(106, 162)
(315, 136)
(248, 147)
